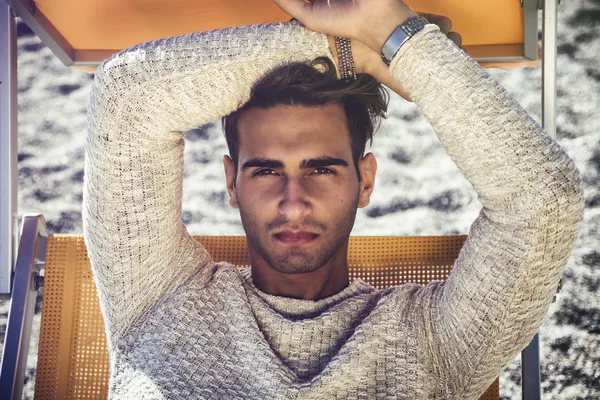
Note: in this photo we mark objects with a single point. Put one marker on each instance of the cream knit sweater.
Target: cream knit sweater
(181, 326)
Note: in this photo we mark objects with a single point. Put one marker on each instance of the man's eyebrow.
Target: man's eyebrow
(323, 162)
(262, 163)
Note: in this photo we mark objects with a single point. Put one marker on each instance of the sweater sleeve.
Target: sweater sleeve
(507, 273)
(142, 102)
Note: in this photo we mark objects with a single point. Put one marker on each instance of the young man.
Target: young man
(292, 326)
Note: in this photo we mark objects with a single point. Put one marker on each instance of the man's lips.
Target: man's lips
(296, 237)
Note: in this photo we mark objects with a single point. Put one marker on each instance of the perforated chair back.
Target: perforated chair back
(73, 357)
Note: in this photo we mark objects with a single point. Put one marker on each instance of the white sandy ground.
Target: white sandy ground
(419, 190)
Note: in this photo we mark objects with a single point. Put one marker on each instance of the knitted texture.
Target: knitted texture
(181, 326)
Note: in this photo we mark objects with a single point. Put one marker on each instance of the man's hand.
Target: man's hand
(369, 62)
(369, 21)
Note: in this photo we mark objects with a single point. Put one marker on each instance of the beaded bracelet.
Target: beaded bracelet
(345, 60)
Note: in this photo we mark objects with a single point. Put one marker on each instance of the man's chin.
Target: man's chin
(296, 261)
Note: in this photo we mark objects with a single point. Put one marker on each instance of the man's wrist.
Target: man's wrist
(400, 36)
(380, 32)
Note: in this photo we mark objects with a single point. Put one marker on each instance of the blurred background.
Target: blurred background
(419, 191)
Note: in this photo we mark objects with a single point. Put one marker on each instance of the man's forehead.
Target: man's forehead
(279, 131)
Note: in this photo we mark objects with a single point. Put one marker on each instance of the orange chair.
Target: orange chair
(72, 353)
(500, 33)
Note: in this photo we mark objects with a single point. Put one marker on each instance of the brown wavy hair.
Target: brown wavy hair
(364, 100)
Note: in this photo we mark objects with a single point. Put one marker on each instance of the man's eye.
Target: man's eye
(264, 172)
(323, 171)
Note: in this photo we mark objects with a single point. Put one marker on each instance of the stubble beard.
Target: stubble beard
(298, 260)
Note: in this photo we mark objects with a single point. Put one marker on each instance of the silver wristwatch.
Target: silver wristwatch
(400, 36)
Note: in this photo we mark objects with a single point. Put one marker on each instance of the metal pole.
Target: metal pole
(530, 357)
(32, 253)
(530, 370)
(549, 33)
(8, 148)
(530, 28)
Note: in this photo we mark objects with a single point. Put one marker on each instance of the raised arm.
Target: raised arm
(507, 272)
(143, 100)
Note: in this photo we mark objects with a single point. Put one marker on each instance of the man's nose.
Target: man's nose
(294, 204)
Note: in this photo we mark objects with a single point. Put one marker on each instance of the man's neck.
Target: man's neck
(326, 281)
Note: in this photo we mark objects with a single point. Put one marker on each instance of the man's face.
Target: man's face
(296, 185)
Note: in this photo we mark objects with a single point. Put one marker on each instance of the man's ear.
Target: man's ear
(367, 167)
(230, 175)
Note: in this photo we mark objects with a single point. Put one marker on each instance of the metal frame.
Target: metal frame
(549, 34)
(30, 261)
(39, 24)
(530, 357)
(530, 370)
(8, 148)
(530, 28)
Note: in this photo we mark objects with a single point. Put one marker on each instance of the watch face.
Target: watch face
(404, 32)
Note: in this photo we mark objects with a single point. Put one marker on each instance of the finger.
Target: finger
(299, 9)
(456, 38)
(444, 23)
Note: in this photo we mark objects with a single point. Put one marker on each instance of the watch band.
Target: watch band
(400, 36)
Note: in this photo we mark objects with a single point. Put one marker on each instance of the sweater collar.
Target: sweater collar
(291, 307)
